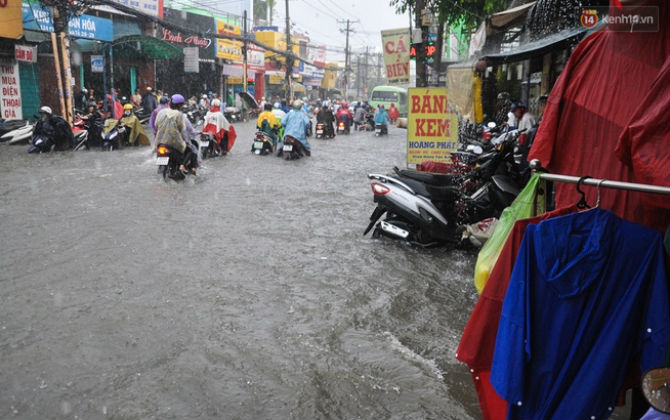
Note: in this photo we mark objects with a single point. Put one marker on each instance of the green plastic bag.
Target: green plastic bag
(530, 202)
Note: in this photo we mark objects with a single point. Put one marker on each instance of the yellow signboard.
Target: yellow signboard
(232, 80)
(432, 132)
(329, 77)
(228, 49)
(11, 18)
(276, 79)
(396, 56)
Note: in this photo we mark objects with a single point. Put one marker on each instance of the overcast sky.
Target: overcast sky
(319, 19)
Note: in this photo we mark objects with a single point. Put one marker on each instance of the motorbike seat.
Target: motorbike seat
(432, 192)
(429, 177)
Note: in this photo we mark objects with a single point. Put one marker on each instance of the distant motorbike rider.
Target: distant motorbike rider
(94, 121)
(136, 136)
(344, 114)
(296, 123)
(171, 131)
(268, 123)
(54, 129)
(382, 117)
(359, 116)
(326, 117)
(393, 113)
(152, 120)
(217, 124)
(149, 101)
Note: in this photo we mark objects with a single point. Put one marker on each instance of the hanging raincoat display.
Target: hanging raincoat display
(588, 293)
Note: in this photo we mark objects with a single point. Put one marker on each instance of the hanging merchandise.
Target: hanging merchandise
(479, 336)
(529, 202)
(588, 294)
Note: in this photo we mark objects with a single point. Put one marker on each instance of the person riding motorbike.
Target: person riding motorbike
(325, 116)
(94, 121)
(295, 123)
(393, 113)
(359, 116)
(272, 124)
(171, 131)
(54, 128)
(344, 114)
(152, 120)
(217, 124)
(382, 117)
(137, 136)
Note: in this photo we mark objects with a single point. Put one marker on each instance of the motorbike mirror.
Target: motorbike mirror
(656, 388)
(491, 124)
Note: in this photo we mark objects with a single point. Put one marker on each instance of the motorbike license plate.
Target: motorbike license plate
(258, 145)
(288, 148)
(319, 131)
(162, 160)
(204, 143)
(378, 130)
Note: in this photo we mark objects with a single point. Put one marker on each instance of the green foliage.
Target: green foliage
(469, 13)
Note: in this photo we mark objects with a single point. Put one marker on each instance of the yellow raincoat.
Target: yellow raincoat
(137, 133)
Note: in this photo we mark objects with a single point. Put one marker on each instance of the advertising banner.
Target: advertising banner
(10, 90)
(432, 131)
(25, 53)
(36, 18)
(149, 7)
(97, 64)
(228, 49)
(395, 43)
(318, 55)
(184, 38)
(11, 27)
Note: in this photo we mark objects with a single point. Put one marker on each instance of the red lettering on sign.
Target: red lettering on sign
(432, 127)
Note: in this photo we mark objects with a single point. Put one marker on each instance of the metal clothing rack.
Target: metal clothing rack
(604, 183)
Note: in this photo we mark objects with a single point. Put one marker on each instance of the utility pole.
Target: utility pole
(289, 59)
(358, 76)
(366, 83)
(346, 53)
(420, 47)
(244, 51)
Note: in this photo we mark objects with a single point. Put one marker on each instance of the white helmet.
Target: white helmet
(46, 109)
(216, 103)
(297, 104)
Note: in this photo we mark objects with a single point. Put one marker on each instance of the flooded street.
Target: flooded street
(246, 293)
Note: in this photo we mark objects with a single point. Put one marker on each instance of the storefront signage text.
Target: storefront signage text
(432, 132)
(189, 40)
(10, 90)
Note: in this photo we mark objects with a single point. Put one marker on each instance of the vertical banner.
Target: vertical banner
(10, 16)
(432, 132)
(396, 56)
(191, 60)
(10, 90)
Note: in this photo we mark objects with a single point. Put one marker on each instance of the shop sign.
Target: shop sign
(395, 43)
(190, 40)
(228, 49)
(276, 79)
(255, 58)
(149, 7)
(10, 90)
(191, 60)
(11, 27)
(432, 131)
(318, 55)
(25, 53)
(234, 80)
(85, 26)
(97, 64)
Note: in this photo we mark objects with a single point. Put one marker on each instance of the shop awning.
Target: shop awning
(559, 40)
(509, 16)
(142, 46)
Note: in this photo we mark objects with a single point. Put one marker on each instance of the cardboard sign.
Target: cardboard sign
(432, 132)
(10, 90)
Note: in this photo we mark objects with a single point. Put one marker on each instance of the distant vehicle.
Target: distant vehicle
(386, 95)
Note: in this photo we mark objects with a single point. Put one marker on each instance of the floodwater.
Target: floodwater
(248, 292)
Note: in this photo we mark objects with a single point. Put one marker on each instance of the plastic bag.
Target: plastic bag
(530, 202)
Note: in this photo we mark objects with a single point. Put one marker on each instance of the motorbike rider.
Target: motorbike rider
(171, 131)
(295, 123)
(272, 124)
(54, 129)
(217, 124)
(136, 136)
(325, 116)
(152, 120)
(344, 114)
(94, 122)
(382, 117)
(359, 116)
(149, 101)
(393, 113)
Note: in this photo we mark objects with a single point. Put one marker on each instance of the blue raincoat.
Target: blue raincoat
(382, 117)
(587, 295)
(295, 123)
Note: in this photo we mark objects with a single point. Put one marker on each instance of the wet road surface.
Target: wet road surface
(248, 292)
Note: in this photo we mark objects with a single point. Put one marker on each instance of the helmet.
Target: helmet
(84, 90)
(518, 105)
(216, 102)
(177, 99)
(164, 99)
(46, 110)
(127, 106)
(344, 104)
(277, 105)
(148, 88)
(297, 104)
(204, 96)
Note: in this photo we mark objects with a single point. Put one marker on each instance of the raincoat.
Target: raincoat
(381, 117)
(393, 113)
(137, 134)
(604, 279)
(170, 127)
(152, 119)
(295, 123)
(217, 124)
(118, 108)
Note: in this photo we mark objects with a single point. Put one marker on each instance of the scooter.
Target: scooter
(293, 149)
(431, 209)
(380, 130)
(342, 127)
(16, 131)
(41, 144)
(168, 161)
(116, 137)
(262, 144)
(143, 116)
(320, 129)
(80, 131)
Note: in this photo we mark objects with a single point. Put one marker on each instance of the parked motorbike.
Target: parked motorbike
(116, 137)
(80, 132)
(432, 209)
(17, 131)
(41, 144)
(233, 114)
(262, 144)
(293, 149)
